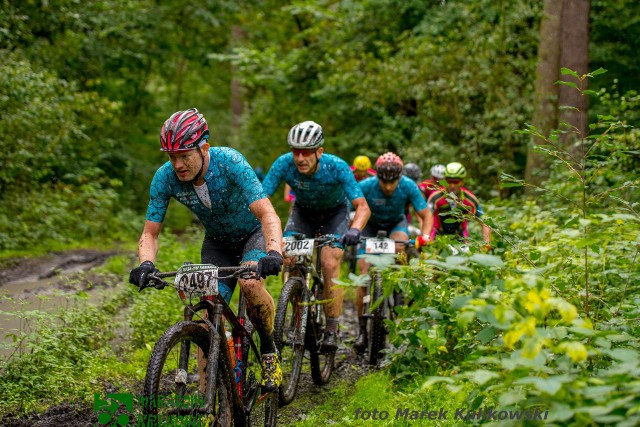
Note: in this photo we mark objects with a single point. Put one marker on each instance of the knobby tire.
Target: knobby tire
(321, 363)
(265, 412)
(161, 379)
(376, 330)
(288, 337)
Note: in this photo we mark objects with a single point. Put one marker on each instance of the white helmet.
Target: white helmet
(437, 171)
(306, 135)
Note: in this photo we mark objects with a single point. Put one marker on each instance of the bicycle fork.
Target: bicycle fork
(213, 360)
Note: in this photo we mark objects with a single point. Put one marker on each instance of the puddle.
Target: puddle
(45, 284)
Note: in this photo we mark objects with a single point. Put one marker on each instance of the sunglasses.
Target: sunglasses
(454, 181)
(388, 181)
(304, 152)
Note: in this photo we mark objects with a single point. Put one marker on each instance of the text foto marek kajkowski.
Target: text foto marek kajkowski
(459, 414)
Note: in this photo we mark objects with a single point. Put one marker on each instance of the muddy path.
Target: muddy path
(45, 282)
(23, 271)
(29, 278)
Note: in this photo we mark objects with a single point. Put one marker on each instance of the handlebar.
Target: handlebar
(409, 242)
(238, 272)
(321, 240)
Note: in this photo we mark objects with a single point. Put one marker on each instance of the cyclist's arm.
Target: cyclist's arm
(427, 225)
(362, 213)
(486, 233)
(422, 217)
(271, 226)
(274, 176)
(148, 243)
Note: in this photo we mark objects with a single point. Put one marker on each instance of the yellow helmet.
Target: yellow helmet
(362, 163)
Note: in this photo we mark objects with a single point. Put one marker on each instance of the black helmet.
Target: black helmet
(412, 171)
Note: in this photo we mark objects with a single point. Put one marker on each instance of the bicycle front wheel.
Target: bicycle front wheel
(288, 337)
(321, 362)
(174, 388)
(376, 331)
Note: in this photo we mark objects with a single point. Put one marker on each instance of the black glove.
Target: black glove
(270, 264)
(139, 276)
(351, 237)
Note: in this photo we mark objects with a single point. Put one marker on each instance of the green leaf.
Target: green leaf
(564, 71)
(481, 376)
(550, 385)
(506, 184)
(434, 380)
(571, 84)
(486, 335)
(597, 72)
(623, 354)
(486, 260)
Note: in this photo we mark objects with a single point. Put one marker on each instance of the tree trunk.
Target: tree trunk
(545, 116)
(237, 101)
(575, 56)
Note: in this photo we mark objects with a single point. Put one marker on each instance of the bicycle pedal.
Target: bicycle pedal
(262, 397)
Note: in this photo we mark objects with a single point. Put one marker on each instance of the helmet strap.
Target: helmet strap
(199, 174)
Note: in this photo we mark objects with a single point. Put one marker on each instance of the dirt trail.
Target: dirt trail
(21, 271)
(26, 281)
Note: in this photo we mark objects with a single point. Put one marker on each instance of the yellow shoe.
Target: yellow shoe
(271, 372)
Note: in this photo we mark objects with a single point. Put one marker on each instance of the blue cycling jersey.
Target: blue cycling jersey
(327, 188)
(233, 186)
(389, 210)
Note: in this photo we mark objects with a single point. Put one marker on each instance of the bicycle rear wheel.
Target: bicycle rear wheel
(321, 362)
(288, 337)
(263, 409)
(376, 330)
(172, 389)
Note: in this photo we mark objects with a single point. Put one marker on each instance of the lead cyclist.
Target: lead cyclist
(241, 226)
(322, 183)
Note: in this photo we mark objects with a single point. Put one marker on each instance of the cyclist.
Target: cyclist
(361, 168)
(289, 194)
(322, 183)
(447, 214)
(241, 226)
(414, 172)
(430, 186)
(387, 194)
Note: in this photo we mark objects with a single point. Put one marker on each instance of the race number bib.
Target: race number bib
(294, 247)
(201, 279)
(380, 246)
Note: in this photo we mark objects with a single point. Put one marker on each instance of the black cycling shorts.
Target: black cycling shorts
(314, 222)
(225, 254)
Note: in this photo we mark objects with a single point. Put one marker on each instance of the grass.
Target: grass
(354, 404)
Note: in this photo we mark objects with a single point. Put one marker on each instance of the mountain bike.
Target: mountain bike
(377, 306)
(300, 319)
(210, 367)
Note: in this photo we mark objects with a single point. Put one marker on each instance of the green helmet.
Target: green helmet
(455, 170)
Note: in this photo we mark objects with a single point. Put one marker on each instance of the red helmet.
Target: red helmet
(183, 131)
(389, 167)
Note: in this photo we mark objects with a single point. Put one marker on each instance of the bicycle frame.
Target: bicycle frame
(218, 312)
(376, 307)
(309, 268)
(300, 322)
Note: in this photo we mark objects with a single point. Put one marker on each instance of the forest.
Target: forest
(538, 99)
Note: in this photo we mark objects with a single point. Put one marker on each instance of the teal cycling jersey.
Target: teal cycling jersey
(327, 188)
(232, 185)
(389, 210)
